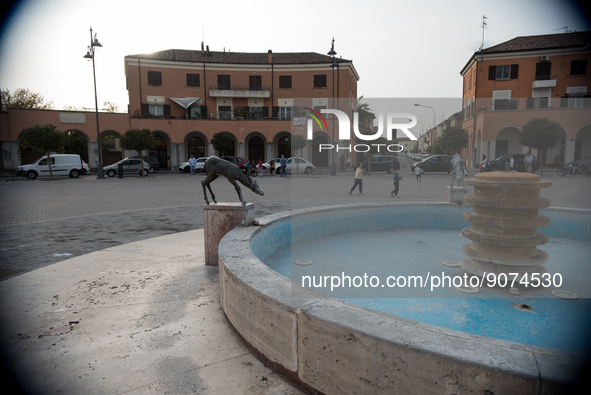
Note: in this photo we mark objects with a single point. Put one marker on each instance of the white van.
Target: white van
(61, 165)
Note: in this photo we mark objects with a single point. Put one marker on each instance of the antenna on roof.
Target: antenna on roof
(484, 24)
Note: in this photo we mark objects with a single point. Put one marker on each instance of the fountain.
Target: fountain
(504, 224)
(326, 342)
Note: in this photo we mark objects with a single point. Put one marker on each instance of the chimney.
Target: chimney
(202, 50)
(270, 56)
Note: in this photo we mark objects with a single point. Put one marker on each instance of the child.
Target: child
(418, 173)
(397, 179)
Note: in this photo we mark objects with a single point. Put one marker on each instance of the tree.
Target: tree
(453, 140)
(138, 140)
(222, 142)
(297, 142)
(24, 98)
(541, 134)
(110, 107)
(46, 138)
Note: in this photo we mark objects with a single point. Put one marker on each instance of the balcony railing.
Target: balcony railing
(239, 91)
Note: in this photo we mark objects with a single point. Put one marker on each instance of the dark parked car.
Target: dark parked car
(151, 160)
(499, 163)
(237, 160)
(433, 163)
(381, 163)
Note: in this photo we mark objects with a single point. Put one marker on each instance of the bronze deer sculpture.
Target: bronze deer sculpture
(216, 167)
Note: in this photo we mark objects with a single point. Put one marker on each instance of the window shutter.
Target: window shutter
(167, 110)
(275, 112)
(145, 108)
(514, 71)
(265, 112)
(492, 72)
(203, 112)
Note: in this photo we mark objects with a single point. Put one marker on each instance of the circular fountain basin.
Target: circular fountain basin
(409, 340)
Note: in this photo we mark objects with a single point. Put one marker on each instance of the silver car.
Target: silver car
(130, 166)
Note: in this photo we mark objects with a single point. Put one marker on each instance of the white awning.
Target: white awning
(184, 102)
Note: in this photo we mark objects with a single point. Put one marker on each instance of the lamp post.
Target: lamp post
(90, 55)
(422, 130)
(332, 52)
(434, 124)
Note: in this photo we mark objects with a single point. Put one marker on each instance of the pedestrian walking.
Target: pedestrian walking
(483, 163)
(511, 162)
(358, 180)
(272, 167)
(348, 162)
(528, 161)
(397, 178)
(418, 172)
(192, 164)
(283, 167)
(260, 167)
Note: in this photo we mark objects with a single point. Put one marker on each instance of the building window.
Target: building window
(285, 82)
(320, 81)
(255, 82)
(156, 110)
(543, 71)
(284, 113)
(578, 67)
(193, 80)
(154, 78)
(195, 113)
(223, 82)
(504, 72)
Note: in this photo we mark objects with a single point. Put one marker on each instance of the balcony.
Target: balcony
(260, 92)
(543, 82)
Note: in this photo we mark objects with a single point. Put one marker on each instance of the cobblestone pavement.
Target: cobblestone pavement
(43, 222)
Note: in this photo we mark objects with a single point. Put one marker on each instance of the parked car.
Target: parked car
(130, 166)
(198, 166)
(381, 163)
(433, 163)
(61, 165)
(152, 161)
(300, 165)
(237, 160)
(499, 163)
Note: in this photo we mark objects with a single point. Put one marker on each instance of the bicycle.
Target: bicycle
(562, 170)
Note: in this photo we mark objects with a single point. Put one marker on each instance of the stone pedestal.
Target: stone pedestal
(219, 219)
(455, 194)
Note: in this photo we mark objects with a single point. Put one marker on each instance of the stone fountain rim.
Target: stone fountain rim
(240, 268)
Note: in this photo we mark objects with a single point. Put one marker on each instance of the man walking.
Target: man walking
(192, 164)
(357, 179)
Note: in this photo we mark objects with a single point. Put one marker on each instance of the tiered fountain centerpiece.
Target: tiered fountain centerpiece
(504, 221)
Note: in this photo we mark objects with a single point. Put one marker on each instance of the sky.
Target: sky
(401, 49)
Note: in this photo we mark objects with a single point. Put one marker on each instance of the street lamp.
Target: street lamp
(434, 124)
(332, 52)
(90, 55)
